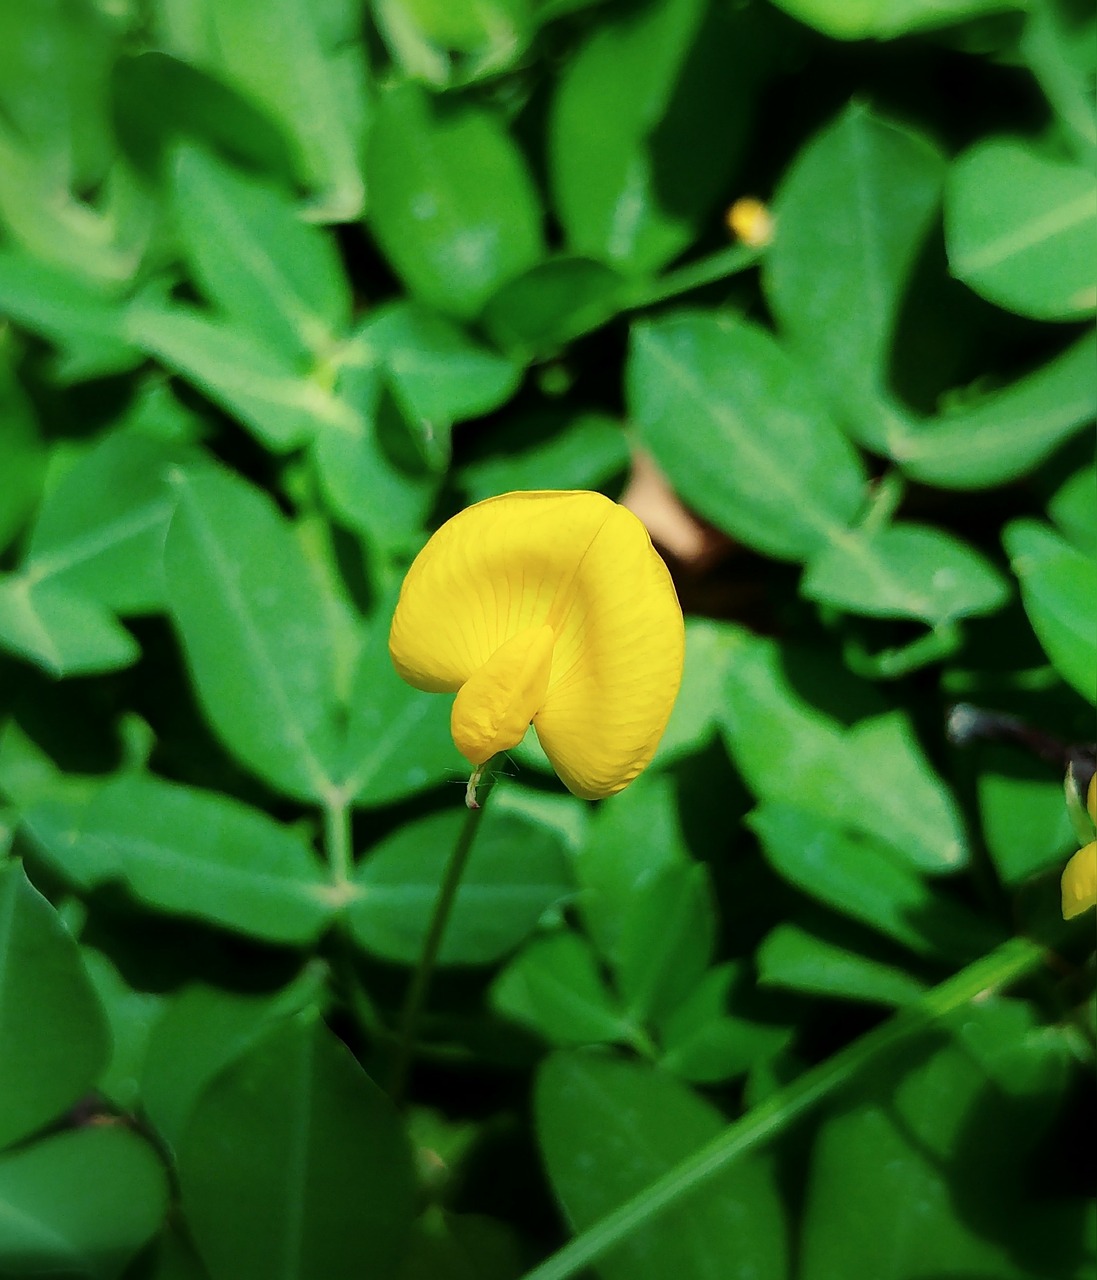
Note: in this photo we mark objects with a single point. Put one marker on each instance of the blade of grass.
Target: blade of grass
(1001, 967)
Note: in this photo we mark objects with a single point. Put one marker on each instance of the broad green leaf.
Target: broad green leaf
(668, 933)
(255, 259)
(22, 451)
(1058, 44)
(1059, 590)
(201, 1031)
(884, 19)
(516, 871)
(706, 1043)
(100, 530)
(398, 738)
(79, 1203)
(53, 1032)
(554, 988)
(872, 776)
(1025, 823)
(191, 853)
(294, 1163)
(543, 309)
(852, 212)
(905, 571)
(582, 451)
(1074, 509)
(131, 1013)
(631, 842)
(863, 879)
(762, 459)
(61, 631)
(608, 1129)
(369, 459)
(452, 204)
(305, 65)
(444, 374)
(796, 959)
(462, 1246)
(1009, 431)
(887, 1168)
(86, 323)
(1020, 227)
(261, 387)
(445, 40)
(249, 610)
(671, 86)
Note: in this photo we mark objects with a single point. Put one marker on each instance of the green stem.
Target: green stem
(1007, 963)
(695, 275)
(443, 906)
(337, 841)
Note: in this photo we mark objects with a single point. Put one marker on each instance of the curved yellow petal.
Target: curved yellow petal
(581, 565)
(1080, 882)
(495, 705)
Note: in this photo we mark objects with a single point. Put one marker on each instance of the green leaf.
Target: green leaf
(554, 987)
(1020, 228)
(671, 86)
(1009, 431)
(86, 323)
(52, 1027)
(853, 210)
(443, 374)
(607, 1129)
(22, 453)
(516, 871)
(883, 19)
(1026, 826)
(668, 933)
(1073, 509)
(706, 1044)
(294, 1163)
(201, 1031)
(305, 66)
(886, 1169)
(100, 531)
(905, 571)
(190, 853)
(787, 490)
(80, 1203)
(696, 715)
(1059, 590)
(398, 738)
(452, 204)
(864, 880)
(255, 259)
(631, 842)
(544, 308)
(585, 450)
(261, 387)
(250, 613)
(799, 960)
(131, 1013)
(64, 633)
(872, 777)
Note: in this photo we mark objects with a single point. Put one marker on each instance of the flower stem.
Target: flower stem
(337, 841)
(443, 905)
(1004, 965)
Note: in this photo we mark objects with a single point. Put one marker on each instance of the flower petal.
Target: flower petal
(1080, 882)
(495, 705)
(582, 565)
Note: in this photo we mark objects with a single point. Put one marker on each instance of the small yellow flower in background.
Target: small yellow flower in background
(750, 222)
(1080, 876)
(550, 607)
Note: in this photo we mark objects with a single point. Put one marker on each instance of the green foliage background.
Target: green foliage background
(284, 285)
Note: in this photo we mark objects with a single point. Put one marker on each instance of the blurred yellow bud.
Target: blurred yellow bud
(550, 607)
(1080, 876)
(751, 222)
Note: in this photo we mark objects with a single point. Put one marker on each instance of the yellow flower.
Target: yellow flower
(1080, 876)
(551, 607)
